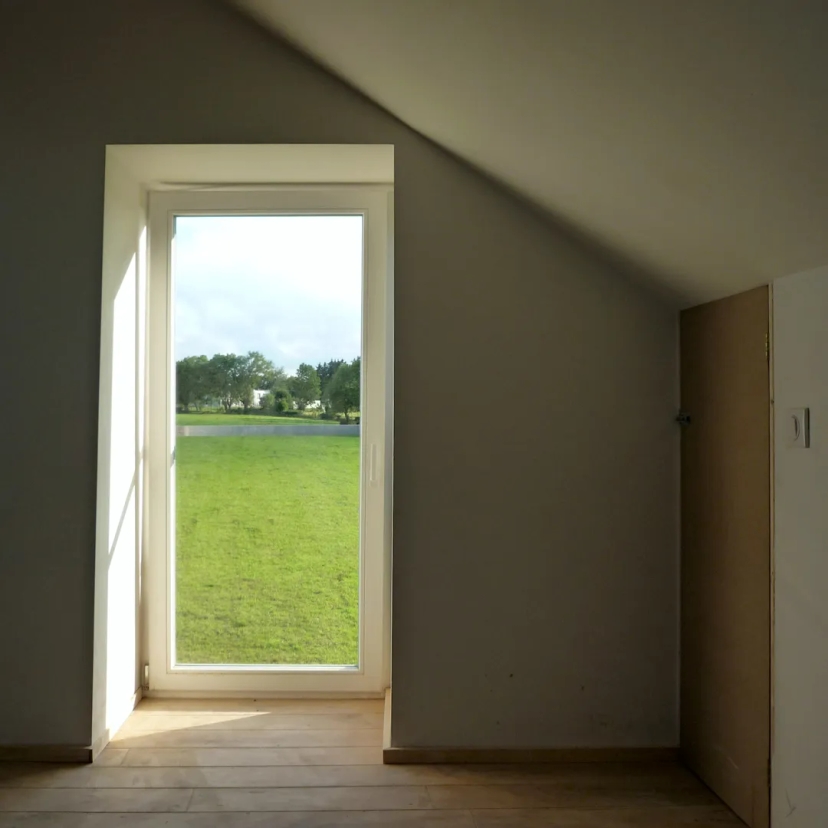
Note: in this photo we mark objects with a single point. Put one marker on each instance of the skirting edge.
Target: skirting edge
(531, 756)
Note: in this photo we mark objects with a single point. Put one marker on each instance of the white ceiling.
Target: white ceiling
(688, 138)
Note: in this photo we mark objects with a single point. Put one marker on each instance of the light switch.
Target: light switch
(799, 428)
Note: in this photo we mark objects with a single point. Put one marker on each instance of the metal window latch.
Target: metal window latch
(683, 418)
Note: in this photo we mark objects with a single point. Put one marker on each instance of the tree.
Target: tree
(253, 372)
(223, 372)
(233, 378)
(305, 387)
(275, 378)
(277, 401)
(343, 389)
(247, 398)
(282, 400)
(262, 373)
(192, 386)
(326, 370)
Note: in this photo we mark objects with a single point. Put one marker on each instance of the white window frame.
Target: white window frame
(371, 676)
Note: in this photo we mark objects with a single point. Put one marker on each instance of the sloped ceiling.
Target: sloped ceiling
(687, 138)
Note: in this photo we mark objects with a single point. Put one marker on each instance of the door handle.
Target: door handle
(372, 465)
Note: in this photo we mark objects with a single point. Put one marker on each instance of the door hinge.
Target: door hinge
(145, 678)
(683, 418)
(767, 346)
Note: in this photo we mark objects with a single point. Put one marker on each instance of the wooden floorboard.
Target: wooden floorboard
(287, 706)
(618, 818)
(249, 757)
(161, 722)
(320, 819)
(197, 737)
(318, 764)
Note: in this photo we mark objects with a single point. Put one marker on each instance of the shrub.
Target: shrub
(282, 401)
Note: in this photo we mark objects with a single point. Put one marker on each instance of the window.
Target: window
(269, 526)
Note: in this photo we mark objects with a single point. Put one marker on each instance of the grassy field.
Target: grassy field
(211, 418)
(267, 549)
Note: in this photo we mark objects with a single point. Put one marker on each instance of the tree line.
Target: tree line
(231, 380)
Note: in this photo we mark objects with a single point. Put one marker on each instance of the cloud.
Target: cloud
(288, 286)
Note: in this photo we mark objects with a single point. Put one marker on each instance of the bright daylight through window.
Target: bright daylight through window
(267, 335)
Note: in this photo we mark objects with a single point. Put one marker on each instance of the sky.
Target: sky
(288, 286)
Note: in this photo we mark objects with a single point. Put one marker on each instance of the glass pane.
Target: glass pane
(267, 350)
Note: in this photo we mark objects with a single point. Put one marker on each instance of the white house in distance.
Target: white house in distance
(260, 393)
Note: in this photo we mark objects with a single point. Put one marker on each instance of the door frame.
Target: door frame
(371, 675)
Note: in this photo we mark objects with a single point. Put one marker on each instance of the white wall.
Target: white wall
(535, 569)
(800, 737)
(116, 675)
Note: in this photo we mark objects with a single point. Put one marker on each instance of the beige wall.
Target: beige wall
(535, 568)
(800, 732)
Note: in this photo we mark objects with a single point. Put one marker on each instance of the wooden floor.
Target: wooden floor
(315, 764)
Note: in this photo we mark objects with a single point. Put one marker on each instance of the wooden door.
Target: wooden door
(725, 550)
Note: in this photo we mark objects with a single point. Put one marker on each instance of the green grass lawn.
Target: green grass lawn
(267, 549)
(213, 418)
